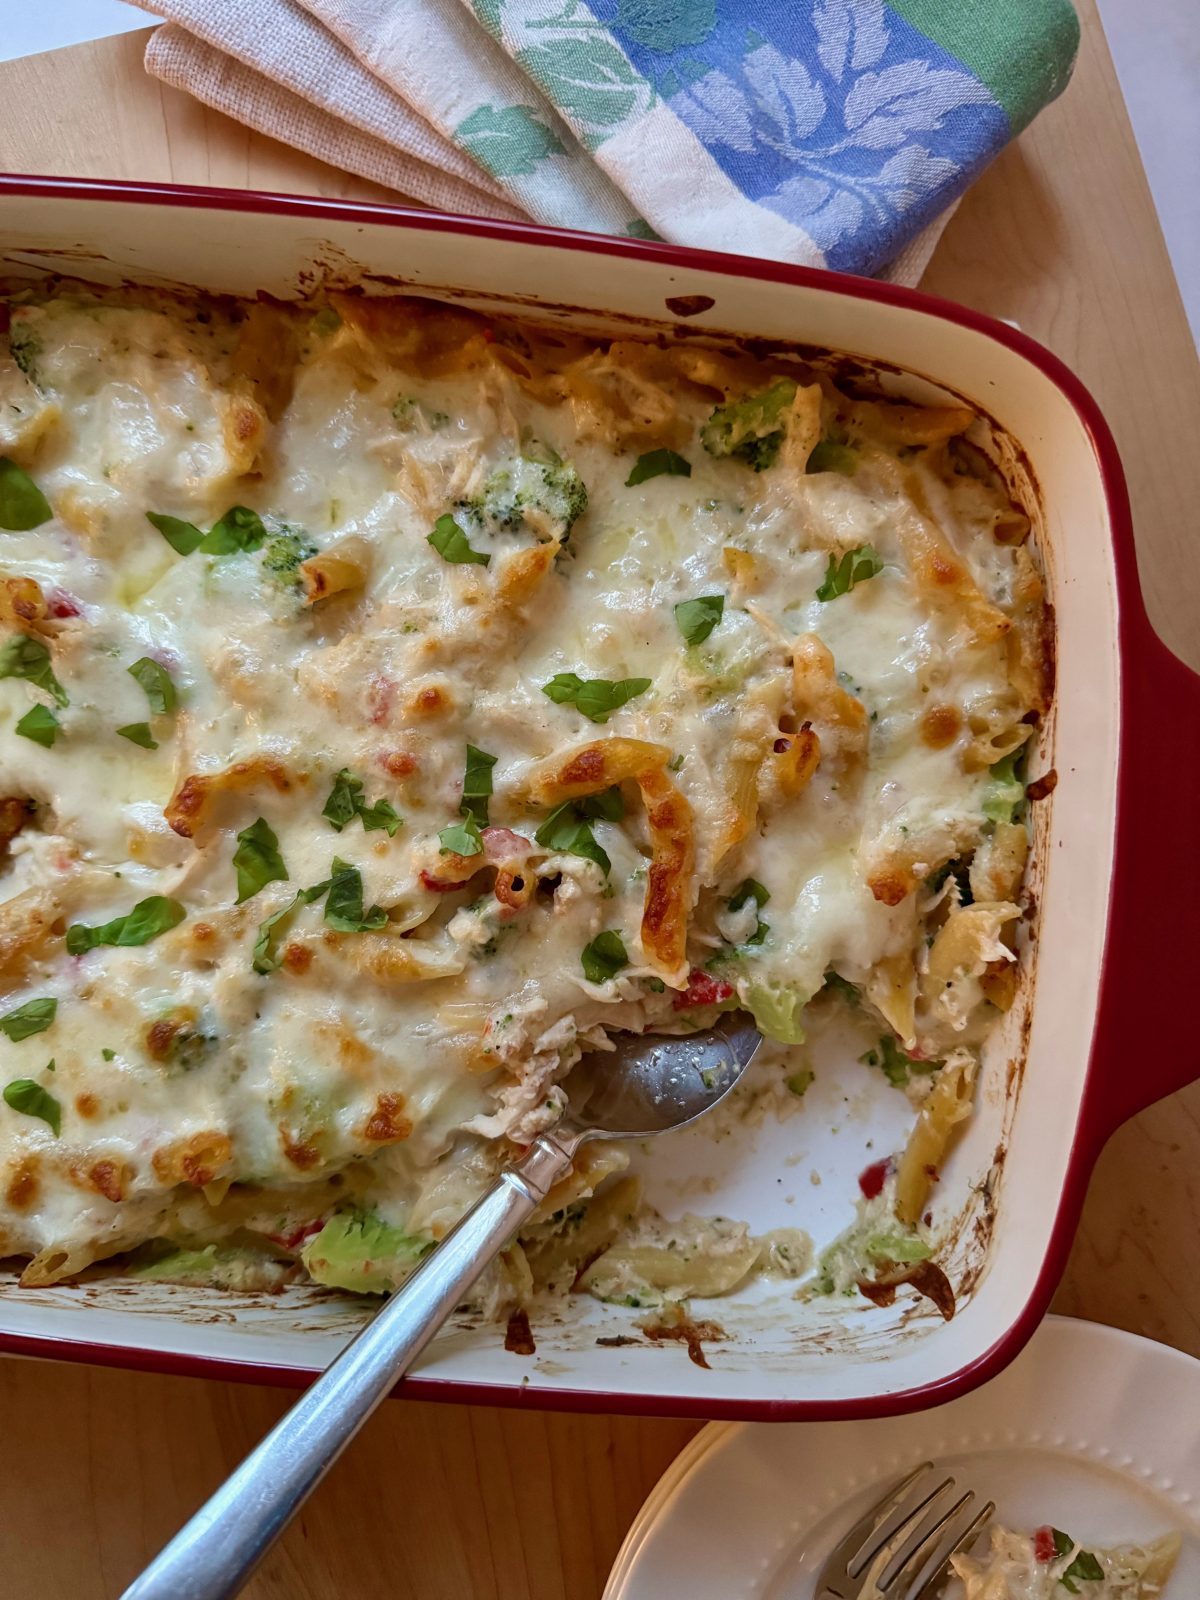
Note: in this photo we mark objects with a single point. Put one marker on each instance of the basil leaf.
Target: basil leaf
(607, 806)
(31, 1100)
(477, 784)
(156, 681)
(382, 814)
(696, 619)
(146, 921)
(751, 889)
(604, 957)
(35, 1016)
(344, 800)
(39, 724)
(1085, 1564)
(657, 464)
(239, 529)
(566, 832)
(748, 889)
(842, 573)
(22, 503)
(139, 733)
(461, 838)
(596, 698)
(257, 859)
(24, 657)
(829, 456)
(452, 544)
(896, 1066)
(183, 537)
(266, 946)
(1004, 796)
(344, 907)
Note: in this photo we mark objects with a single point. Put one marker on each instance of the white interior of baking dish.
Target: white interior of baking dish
(800, 1170)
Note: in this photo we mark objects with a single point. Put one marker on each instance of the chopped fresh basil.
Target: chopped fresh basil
(109, 1055)
(798, 1083)
(344, 904)
(155, 680)
(1085, 1565)
(842, 573)
(139, 733)
(604, 957)
(382, 814)
(1004, 796)
(257, 860)
(828, 455)
(31, 1100)
(146, 921)
(39, 724)
(345, 798)
(22, 503)
(596, 698)
(896, 1066)
(696, 619)
(452, 544)
(567, 832)
(477, 784)
(607, 806)
(239, 529)
(183, 537)
(266, 957)
(657, 464)
(461, 838)
(35, 1016)
(346, 802)
(24, 657)
(748, 889)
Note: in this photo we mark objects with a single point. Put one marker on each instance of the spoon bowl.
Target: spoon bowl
(652, 1082)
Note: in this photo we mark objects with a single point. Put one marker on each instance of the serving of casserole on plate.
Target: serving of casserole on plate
(405, 690)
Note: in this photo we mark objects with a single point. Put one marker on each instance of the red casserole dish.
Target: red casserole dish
(1099, 1031)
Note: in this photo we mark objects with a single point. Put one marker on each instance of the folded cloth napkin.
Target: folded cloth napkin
(834, 133)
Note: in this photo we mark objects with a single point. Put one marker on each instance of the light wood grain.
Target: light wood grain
(456, 1503)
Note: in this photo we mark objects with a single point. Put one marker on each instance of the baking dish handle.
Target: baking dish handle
(1147, 1037)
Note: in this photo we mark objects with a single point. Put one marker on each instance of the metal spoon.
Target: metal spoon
(648, 1084)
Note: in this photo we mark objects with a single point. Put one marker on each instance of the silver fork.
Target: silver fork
(901, 1549)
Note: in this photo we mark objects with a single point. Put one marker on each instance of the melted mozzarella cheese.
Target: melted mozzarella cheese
(378, 1060)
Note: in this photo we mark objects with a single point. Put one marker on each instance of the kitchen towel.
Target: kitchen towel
(833, 133)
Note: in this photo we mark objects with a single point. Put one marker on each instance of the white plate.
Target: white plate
(1090, 1429)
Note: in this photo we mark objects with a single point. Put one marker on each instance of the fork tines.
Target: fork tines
(899, 1550)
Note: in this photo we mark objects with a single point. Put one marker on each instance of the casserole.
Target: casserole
(1016, 1182)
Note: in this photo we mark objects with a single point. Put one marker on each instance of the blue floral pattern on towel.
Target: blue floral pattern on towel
(838, 115)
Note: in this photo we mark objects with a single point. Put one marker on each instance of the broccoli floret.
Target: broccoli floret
(546, 495)
(752, 429)
(359, 1251)
(283, 552)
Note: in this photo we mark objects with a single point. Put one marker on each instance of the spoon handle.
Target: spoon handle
(212, 1556)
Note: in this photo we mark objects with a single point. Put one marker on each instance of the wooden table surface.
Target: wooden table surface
(98, 1467)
